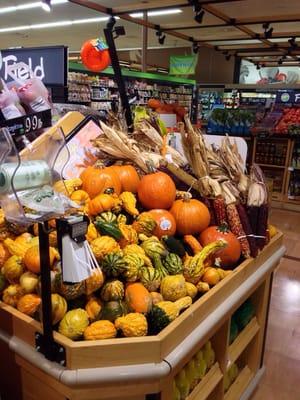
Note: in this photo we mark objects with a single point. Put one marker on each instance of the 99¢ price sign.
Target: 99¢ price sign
(32, 123)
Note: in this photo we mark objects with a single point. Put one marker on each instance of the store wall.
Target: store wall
(212, 66)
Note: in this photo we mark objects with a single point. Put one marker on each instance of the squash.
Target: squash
(191, 290)
(29, 282)
(152, 246)
(173, 287)
(29, 304)
(136, 249)
(52, 235)
(103, 246)
(92, 233)
(109, 229)
(15, 248)
(164, 312)
(156, 190)
(129, 203)
(74, 324)
(230, 254)
(128, 176)
(59, 308)
(69, 291)
(156, 297)
(100, 330)
(13, 269)
(191, 216)
(158, 265)
(67, 186)
(102, 202)
(113, 310)
(132, 325)
(112, 290)
(173, 264)
(12, 294)
(129, 235)
(211, 276)
(93, 307)
(150, 278)
(174, 245)
(94, 282)
(192, 243)
(194, 267)
(202, 287)
(4, 254)
(80, 197)
(32, 258)
(138, 298)
(107, 216)
(133, 265)
(165, 223)
(113, 264)
(144, 224)
(96, 180)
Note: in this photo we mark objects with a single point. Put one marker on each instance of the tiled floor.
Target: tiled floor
(282, 357)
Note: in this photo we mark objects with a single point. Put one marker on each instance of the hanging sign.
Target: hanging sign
(48, 64)
(183, 65)
(288, 96)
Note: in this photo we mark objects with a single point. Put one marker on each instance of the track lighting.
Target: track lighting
(292, 42)
(199, 13)
(280, 61)
(257, 66)
(199, 16)
(195, 47)
(228, 57)
(161, 37)
(267, 30)
(46, 5)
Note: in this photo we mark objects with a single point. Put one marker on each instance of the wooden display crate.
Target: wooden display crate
(149, 349)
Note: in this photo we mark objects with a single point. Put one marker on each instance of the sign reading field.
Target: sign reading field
(47, 63)
(183, 65)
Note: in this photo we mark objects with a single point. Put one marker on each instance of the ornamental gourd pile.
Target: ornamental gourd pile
(156, 253)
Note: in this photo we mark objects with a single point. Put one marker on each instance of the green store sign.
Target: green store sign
(183, 65)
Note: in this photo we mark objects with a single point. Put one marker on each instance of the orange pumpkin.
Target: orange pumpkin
(4, 255)
(156, 190)
(80, 197)
(96, 181)
(102, 202)
(128, 176)
(137, 298)
(154, 104)
(93, 57)
(29, 303)
(165, 223)
(191, 216)
(32, 258)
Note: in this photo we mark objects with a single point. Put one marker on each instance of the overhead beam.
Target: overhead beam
(271, 19)
(276, 35)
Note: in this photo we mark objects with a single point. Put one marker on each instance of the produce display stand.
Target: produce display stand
(144, 368)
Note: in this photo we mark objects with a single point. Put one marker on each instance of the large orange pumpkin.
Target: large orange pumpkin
(156, 190)
(191, 216)
(128, 176)
(96, 180)
(165, 221)
(231, 253)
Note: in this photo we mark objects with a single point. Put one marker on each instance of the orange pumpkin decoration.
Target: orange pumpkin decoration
(191, 216)
(154, 104)
(32, 258)
(4, 255)
(93, 57)
(165, 223)
(80, 197)
(156, 190)
(128, 176)
(102, 202)
(29, 304)
(137, 298)
(231, 253)
(96, 181)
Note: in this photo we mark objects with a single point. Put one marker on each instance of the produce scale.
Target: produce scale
(175, 305)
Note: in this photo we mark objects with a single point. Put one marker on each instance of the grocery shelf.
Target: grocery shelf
(207, 384)
(242, 341)
(239, 385)
(271, 166)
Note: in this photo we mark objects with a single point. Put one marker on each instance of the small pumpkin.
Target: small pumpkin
(173, 287)
(32, 258)
(12, 294)
(156, 190)
(80, 197)
(59, 308)
(94, 282)
(136, 249)
(103, 246)
(191, 290)
(24, 238)
(74, 324)
(112, 290)
(165, 223)
(100, 330)
(29, 282)
(67, 186)
(211, 276)
(128, 176)
(102, 202)
(132, 325)
(152, 246)
(107, 216)
(96, 180)
(13, 269)
(93, 307)
(191, 216)
(138, 298)
(113, 310)
(28, 304)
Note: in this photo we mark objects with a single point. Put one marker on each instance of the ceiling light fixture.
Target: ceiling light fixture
(46, 5)
(292, 42)
(280, 61)
(199, 12)
(195, 47)
(267, 30)
(157, 13)
(161, 36)
(29, 6)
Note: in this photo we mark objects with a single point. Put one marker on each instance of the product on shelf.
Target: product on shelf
(240, 319)
(230, 376)
(290, 122)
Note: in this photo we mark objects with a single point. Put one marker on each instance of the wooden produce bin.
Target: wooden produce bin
(144, 368)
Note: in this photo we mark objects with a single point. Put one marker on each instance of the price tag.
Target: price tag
(28, 123)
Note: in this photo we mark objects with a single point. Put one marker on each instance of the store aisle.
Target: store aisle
(282, 358)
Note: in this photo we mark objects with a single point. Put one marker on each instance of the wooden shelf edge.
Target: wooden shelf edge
(239, 385)
(207, 384)
(242, 341)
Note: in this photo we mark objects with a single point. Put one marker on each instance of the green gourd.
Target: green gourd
(109, 229)
(173, 264)
(174, 245)
(150, 278)
(182, 384)
(107, 216)
(112, 290)
(133, 265)
(113, 310)
(113, 264)
(152, 246)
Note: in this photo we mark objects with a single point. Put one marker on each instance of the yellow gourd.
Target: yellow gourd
(173, 287)
(100, 330)
(12, 294)
(13, 269)
(93, 307)
(132, 324)
(68, 186)
(129, 203)
(103, 246)
(15, 248)
(136, 249)
(94, 282)
(129, 235)
(28, 304)
(191, 290)
(80, 197)
(92, 233)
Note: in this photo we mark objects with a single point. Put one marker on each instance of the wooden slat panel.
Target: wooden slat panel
(207, 384)
(239, 385)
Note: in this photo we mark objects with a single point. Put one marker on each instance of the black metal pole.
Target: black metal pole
(194, 105)
(108, 32)
(48, 342)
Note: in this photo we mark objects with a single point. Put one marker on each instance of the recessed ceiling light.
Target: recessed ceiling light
(29, 6)
(157, 13)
